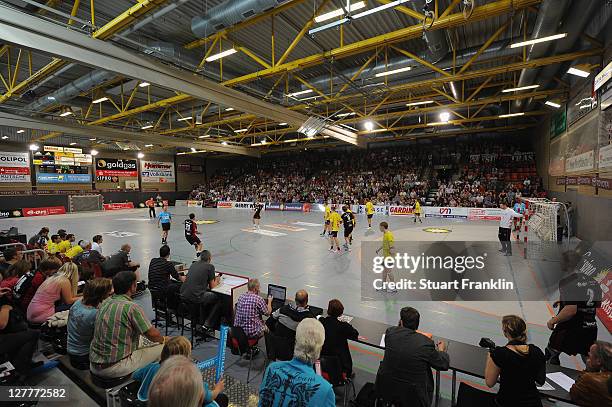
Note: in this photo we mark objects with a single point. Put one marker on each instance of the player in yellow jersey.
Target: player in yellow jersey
(326, 218)
(334, 224)
(369, 206)
(387, 249)
(417, 211)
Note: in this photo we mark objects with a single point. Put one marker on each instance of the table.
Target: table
(464, 358)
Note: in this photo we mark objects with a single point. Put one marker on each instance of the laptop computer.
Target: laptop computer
(279, 295)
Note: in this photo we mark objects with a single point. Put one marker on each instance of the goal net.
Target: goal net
(546, 224)
(83, 203)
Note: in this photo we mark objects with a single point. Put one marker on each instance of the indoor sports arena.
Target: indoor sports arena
(306, 203)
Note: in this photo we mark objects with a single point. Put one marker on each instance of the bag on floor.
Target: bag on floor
(366, 396)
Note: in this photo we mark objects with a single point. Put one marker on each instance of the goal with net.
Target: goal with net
(546, 223)
(83, 203)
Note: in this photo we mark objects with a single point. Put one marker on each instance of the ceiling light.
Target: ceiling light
(241, 130)
(398, 70)
(502, 116)
(292, 140)
(193, 150)
(94, 152)
(229, 109)
(148, 126)
(521, 88)
(34, 147)
(102, 99)
(538, 40)
(379, 8)
(302, 92)
(339, 12)
(346, 114)
(578, 72)
(92, 139)
(144, 84)
(256, 144)
(50, 97)
(552, 104)
(5, 137)
(424, 102)
(20, 131)
(148, 145)
(437, 123)
(182, 119)
(73, 144)
(282, 124)
(221, 55)
(204, 136)
(66, 113)
(263, 141)
(369, 125)
(140, 155)
(224, 143)
(444, 116)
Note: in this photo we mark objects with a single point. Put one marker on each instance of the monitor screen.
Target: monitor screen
(277, 292)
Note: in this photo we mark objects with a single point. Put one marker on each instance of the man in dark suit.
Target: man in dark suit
(410, 355)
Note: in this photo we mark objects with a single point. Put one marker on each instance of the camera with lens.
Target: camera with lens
(487, 343)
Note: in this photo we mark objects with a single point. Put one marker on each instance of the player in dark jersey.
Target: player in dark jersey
(575, 325)
(257, 214)
(347, 221)
(191, 234)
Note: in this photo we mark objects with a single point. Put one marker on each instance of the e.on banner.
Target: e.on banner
(118, 206)
(401, 211)
(44, 211)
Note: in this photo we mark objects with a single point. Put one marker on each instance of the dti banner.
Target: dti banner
(14, 167)
(157, 171)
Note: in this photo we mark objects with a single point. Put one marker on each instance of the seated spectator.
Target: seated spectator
(82, 318)
(97, 244)
(119, 261)
(39, 240)
(410, 356)
(28, 284)
(197, 288)
(178, 383)
(591, 389)
(250, 309)
(89, 254)
(75, 250)
(286, 382)
(60, 288)
(114, 350)
(517, 365)
(178, 345)
(53, 245)
(287, 317)
(66, 243)
(16, 340)
(160, 271)
(337, 334)
(11, 256)
(13, 274)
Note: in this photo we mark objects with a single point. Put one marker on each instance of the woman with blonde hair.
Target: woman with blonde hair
(517, 365)
(62, 287)
(178, 345)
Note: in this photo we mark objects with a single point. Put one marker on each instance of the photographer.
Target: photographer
(518, 366)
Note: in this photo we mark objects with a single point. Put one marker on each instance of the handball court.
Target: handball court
(288, 250)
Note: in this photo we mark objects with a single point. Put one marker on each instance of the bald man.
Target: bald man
(286, 319)
(119, 261)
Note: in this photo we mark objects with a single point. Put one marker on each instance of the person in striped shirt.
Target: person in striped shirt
(120, 322)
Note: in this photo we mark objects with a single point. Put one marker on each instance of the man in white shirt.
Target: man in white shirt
(505, 223)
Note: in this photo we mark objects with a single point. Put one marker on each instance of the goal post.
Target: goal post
(546, 224)
(85, 203)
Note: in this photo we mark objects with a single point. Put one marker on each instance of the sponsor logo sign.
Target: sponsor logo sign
(437, 230)
(293, 206)
(116, 168)
(580, 162)
(157, 171)
(117, 206)
(194, 204)
(243, 205)
(378, 209)
(445, 212)
(484, 213)
(401, 211)
(264, 232)
(273, 206)
(224, 205)
(14, 167)
(44, 211)
(206, 221)
(10, 213)
(605, 156)
(47, 178)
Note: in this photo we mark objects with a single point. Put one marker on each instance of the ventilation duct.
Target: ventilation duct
(547, 22)
(437, 45)
(229, 13)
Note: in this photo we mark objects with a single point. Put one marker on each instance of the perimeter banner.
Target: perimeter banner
(14, 167)
(157, 171)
